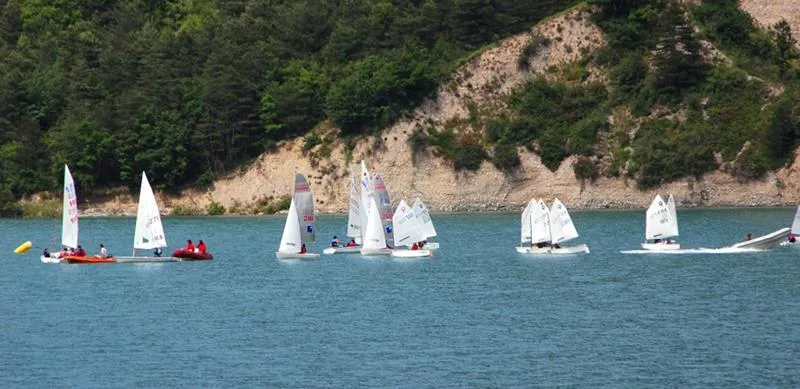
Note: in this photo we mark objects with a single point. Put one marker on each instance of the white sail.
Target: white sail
(673, 212)
(305, 209)
(373, 236)
(796, 222)
(149, 232)
(660, 223)
(69, 215)
(407, 228)
(540, 223)
(354, 215)
(290, 240)
(365, 183)
(384, 202)
(421, 212)
(561, 227)
(525, 222)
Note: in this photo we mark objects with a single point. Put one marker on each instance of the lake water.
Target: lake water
(477, 314)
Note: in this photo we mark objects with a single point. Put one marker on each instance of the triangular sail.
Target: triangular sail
(365, 182)
(540, 223)
(525, 222)
(69, 216)
(561, 227)
(796, 222)
(673, 212)
(421, 212)
(290, 240)
(149, 232)
(373, 236)
(384, 202)
(659, 222)
(354, 215)
(305, 208)
(407, 228)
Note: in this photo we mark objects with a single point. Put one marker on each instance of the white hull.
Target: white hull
(369, 252)
(50, 259)
(582, 248)
(281, 255)
(341, 250)
(765, 242)
(146, 259)
(402, 253)
(661, 246)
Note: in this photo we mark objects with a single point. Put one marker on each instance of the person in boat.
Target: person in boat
(303, 249)
(63, 253)
(80, 252)
(422, 244)
(189, 246)
(556, 246)
(335, 242)
(749, 236)
(70, 252)
(157, 252)
(415, 246)
(201, 247)
(46, 253)
(352, 243)
(792, 239)
(657, 241)
(103, 251)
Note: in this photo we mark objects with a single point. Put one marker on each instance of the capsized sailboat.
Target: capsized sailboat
(548, 230)
(661, 226)
(299, 228)
(149, 232)
(353, 223)
(408, 231)
(69, 218)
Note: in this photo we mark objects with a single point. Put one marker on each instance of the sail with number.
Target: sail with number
(384, 202)
(540, 223)
(424, 217)
(561, 227)
(149, 232)
(407, 227)
(69, 215)
(660, 223)
(354, 214)
(304, 201)
(374, 238)
(525, 222)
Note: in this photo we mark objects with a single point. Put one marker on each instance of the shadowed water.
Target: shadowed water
(477, 314)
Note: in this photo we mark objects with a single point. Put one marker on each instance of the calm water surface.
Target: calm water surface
(475, 315)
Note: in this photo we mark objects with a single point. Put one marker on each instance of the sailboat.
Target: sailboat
(299, 227)
(149, 232)
(661, 226)
(69, 218)
(384, 202)
(424, 217)
(548, 229)
(353, 223)
(408, 231)
(374, 242)
(794, 231)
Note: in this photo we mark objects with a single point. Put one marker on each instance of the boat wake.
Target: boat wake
(701, 250)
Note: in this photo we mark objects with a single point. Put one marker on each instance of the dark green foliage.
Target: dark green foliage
(188, 90)
(782, 133)
(785, 43)
(465, 151)
(585, 169)
(505, 156)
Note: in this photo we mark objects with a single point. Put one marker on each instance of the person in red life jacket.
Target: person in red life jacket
(201, 246)
(352, 243)
(80, 252)
(415, 246)
(189, 246)
(792, 239)
(303, 249)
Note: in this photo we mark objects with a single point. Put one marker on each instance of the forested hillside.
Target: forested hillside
(190, 88)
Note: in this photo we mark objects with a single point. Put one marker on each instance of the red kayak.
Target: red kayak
(191, 255)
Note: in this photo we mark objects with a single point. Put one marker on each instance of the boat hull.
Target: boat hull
(375, 252)
(401, 253)
(305, 256)
(88, 260)
(147, 259)
(579, 249)
(186, 255)
(50, 259)
(661, 246)
(765, 242)
(341, 250)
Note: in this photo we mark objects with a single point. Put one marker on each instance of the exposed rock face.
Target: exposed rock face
(483, 81)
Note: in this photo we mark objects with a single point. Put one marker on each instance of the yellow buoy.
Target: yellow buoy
(23, 247)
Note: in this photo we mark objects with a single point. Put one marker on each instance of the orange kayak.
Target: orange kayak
(94, 259)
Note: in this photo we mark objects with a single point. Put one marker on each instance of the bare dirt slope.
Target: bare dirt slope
(482, 80)
(768, 12)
